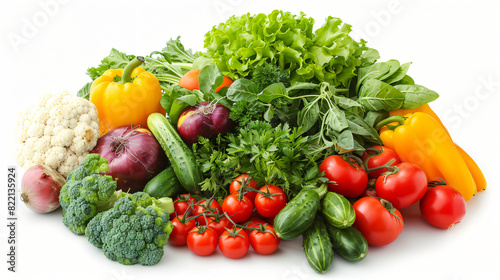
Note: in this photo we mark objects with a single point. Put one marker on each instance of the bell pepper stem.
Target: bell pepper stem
(389, 120)
(127, 72)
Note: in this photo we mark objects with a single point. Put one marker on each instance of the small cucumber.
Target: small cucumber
(165, 184)
(337, 210)
(349, 243)
(318, 247)
(297, 215)
(181, 157)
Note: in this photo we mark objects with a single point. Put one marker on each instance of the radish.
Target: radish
(40, 188)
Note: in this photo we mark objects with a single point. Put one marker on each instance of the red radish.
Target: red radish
(40, 188)
(204, 119)
(134, 156)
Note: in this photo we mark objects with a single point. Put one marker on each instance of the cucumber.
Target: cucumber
(318, 246)
(181, 157)
(165, 184)
(297, 215)
(349, 243)
(337, 210)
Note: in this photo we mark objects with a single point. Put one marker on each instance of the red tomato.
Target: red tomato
(351, 179)
(202, 206)
(220, 225)
(264, 243)
(202, 240)
(236, 185)
(254, 222)
(443, 206)
(178, 236)
(238, 210)
(190, 81)
(234, 243)
(407, 186)
(377, 220)
(383, 158)
(182, 203)
(270, 205)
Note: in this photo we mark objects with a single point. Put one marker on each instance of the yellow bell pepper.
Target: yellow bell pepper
(386, 136)
(421, 140)
(126, 102)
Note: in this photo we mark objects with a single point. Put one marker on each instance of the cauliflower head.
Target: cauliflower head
(59, 132)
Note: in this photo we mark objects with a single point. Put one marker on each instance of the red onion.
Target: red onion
(205, 119)
(40, 188)
(134, 156)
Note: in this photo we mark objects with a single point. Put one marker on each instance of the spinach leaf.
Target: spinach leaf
(376, 95)
(416, 95)
(346, 143)
(301, 86)
(398, 75)
(372, 118)
(272, 92)
(393, 68)
(210, 78)
(308, 116)
(242, 89)
(374, 71)
(359, 127)
(349, 105)
(369, 57)
(406, 80)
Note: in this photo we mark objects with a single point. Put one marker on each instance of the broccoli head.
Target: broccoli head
(134, 230)
(87, 192)
(268, 74)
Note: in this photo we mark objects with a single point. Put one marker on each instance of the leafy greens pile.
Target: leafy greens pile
(298, 95)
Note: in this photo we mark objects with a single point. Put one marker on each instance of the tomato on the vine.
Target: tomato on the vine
(182, 204)
(403, 188)
(264, 240)
(182, 227)
(378, 221)
(270, 204)
(190, 80)
(234, 243)
(238, 208)
(202, 240)
(219, 225)
(253, 222)
(236, 185)
(375, 161)
(443, 206)
(350, 179)
(203, 205)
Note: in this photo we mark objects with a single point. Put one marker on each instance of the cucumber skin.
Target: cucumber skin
(348, 243)
(297, 215)
(181, 157)
(318, 246)
(165, 184)
(337, 210)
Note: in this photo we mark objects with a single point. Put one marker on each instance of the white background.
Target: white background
(454, 47)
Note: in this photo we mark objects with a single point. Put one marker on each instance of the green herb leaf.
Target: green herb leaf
(416, 95)
(358, 126)
(210, 78)
(84, 92)
(346, 143)
(376, 95)
(308, 116)
(398, 75)
(336, 119)
(349, 105)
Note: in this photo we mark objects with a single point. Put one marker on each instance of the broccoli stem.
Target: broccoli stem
(108, 204)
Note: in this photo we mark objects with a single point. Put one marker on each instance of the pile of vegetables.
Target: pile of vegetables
(278, 130)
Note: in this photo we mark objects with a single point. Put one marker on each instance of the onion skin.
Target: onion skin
(204, 119)
(134, 156)
(40, 188)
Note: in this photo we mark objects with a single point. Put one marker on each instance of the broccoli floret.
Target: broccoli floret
(87, 192)
(134, 230)
(268, 74)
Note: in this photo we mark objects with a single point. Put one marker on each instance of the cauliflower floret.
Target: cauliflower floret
(59, 132)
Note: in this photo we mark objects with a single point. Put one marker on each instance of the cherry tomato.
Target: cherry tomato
(202, 206)
(220, 225)
(202, 240)
(238, 210)
(270, 205)
(182, 203)
(383, 158)
(254, 222)
(407, 186)
(190, 81)
(236, 185)
(378, 221)
(234, 243)
(178, 236)
(264, 243)
(443, 207)
(350, 179)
